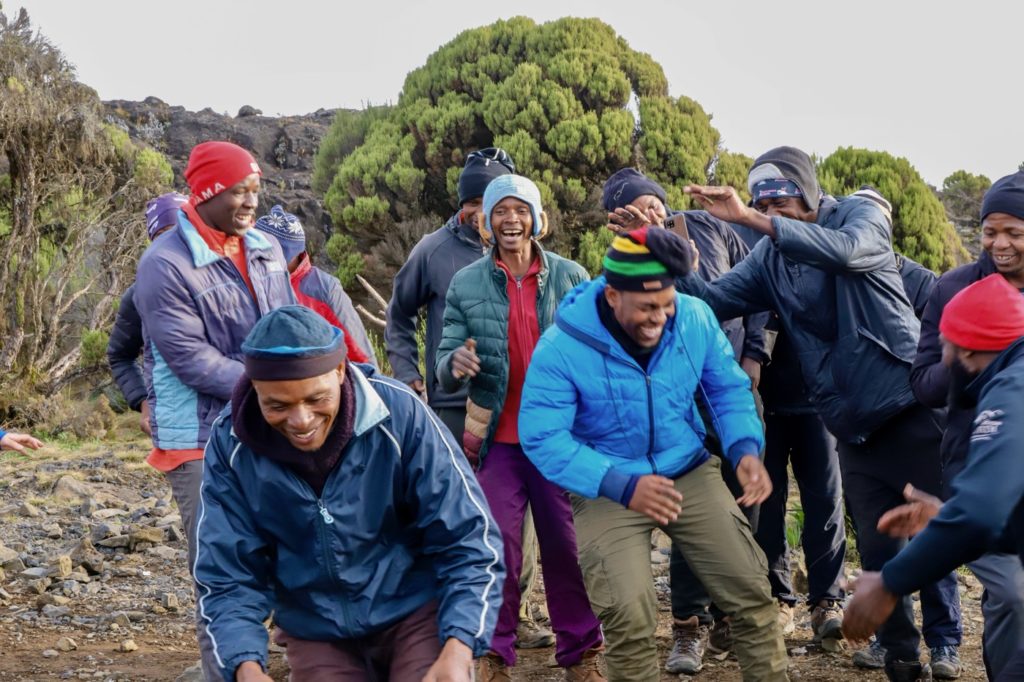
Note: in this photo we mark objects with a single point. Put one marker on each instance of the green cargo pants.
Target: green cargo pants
(615, 555)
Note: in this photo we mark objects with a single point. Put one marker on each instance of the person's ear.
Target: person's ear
(541, 231)
(341, 371)
(613, 296)
(481, 228)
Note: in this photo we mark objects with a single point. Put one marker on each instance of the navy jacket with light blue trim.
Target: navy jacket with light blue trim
(401, 522)
(196, 311)
(986, 509)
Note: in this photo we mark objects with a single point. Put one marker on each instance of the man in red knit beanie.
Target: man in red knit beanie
(982, 331)
(199, 290)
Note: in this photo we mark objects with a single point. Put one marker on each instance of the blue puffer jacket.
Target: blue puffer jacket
(839, 297)
(401, 521)
(196, 310)
(589, 408)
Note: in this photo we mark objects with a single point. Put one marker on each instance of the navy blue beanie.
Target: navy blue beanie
(1006, 195)
(625, 185)
(481, 167)
(292, 342)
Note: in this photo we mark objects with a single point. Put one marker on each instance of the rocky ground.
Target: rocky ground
(94, 585)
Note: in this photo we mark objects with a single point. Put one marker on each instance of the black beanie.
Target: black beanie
(481, 167)
(292, 342)
(625, 185)
(794, 165)
(1006, 195)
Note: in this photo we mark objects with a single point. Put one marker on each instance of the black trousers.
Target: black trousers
(904, 450)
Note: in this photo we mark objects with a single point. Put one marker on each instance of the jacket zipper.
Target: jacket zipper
(650, 432)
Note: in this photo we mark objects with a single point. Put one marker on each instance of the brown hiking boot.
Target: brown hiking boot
(531, 635)
(827, 621)
(690, 639)
(720, 638)
(492, 668)
(588, 669)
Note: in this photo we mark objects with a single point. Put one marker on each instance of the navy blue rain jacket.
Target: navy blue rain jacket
(986, 510)
(401, 522)
(839, 297)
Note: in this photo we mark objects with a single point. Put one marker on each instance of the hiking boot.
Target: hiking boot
(945, 663)
(827, 621)
(871, 658)
(588, 669)
(720, 637)
(492, 668)
(530, 635)
(786, 622)
(907, 671)
(690, 638)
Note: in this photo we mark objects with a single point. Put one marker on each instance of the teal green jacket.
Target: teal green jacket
(477, 307)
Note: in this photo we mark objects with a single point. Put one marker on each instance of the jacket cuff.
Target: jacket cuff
(618, 487)
(757, 355)
(747, 446)
(479, 647)
(231, 665)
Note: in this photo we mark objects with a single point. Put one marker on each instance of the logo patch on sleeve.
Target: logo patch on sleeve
(986, 425)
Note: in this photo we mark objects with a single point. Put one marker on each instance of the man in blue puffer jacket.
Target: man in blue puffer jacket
(335, 498)
(608, 413)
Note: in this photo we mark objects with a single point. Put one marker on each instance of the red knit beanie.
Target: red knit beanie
(215, 166)
(986, 316)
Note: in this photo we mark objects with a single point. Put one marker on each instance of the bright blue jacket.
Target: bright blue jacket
(196, 310)
(401, 522)
(589, 411)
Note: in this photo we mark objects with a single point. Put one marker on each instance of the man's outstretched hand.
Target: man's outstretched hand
(656, 496)
(752, 475)
(725, 204)
(19, 441)
(455, 664)
(910, 519)
(871, 606)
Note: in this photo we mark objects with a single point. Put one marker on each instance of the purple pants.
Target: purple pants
(510, 482)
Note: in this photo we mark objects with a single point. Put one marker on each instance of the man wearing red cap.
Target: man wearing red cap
(199, 290)
(1002, 243)
(982, 331)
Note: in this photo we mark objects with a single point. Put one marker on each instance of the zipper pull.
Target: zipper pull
(328, 519)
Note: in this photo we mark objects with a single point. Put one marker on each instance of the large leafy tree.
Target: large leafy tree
(921, 229)
(961, 195)
(569, 100)
(71, 221)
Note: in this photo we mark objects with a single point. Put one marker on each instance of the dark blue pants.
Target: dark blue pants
(903, 450)
(803, 441)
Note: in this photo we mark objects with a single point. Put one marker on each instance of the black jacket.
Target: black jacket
(918, 282)
(838, 294)
(986, 510)
(930, 378)
(124, 349)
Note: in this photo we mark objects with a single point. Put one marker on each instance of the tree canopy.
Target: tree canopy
(921, 229)
(569, 100)
(71, 218)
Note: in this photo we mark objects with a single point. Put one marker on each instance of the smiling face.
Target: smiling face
(233, 211)
(302, 410)
(1002, 236)
(512, 224)
(651, 207)
(642, 314)
(786, 207)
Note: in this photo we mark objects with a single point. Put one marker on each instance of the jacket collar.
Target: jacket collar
(501, 276)
(577, 316)
(464, 233)
(370, 408)
(203, 255)
(301, 270)
(1013, 354)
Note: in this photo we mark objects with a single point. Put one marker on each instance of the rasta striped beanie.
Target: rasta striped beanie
(647, 259)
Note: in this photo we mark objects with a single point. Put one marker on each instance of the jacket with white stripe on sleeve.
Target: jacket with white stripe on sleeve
(401, 522)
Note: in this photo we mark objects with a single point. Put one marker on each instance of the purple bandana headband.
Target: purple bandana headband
(778, 188)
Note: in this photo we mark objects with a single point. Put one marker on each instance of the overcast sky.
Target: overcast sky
(936, 82)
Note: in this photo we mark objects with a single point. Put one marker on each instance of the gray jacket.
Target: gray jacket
(837, 292)
(423, 281)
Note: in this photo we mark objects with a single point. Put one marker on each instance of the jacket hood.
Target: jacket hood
(463, 232)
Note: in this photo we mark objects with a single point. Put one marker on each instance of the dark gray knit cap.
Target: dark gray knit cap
(292, 342)
(792, 164)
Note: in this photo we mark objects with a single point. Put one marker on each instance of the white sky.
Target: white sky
(936, 82)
